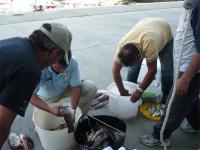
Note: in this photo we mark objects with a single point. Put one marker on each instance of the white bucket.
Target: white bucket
(144, 70)
(57, 139)
(121, 106)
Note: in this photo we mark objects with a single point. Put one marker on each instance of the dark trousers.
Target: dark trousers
(167, 70)
(185, 106)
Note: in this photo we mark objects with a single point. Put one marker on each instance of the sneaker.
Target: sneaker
(149, 140)
(186, 127)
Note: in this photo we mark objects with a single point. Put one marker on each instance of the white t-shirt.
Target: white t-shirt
(189, 46)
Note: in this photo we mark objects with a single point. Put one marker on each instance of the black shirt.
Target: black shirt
(19, 73)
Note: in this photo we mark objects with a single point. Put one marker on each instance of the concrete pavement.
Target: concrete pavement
(96, 33)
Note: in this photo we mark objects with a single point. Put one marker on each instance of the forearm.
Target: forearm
(151, 72)
(75, 96)
(147, 79)
(193, 67)
(117, 77)
(39, 103)
(118, 81)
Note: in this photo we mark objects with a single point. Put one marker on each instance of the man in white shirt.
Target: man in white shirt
(186, 103)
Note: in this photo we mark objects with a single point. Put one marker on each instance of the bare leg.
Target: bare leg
(7, 117)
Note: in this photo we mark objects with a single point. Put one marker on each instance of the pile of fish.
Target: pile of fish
(69, 117)
(101, 100)
(20, 141)
(101, 136)
(155, 110)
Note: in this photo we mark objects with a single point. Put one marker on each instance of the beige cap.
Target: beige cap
(60, 35)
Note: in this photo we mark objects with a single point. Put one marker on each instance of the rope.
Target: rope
(176, 74)
(106, 124)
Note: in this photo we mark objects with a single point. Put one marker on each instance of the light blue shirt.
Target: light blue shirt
(52, 84)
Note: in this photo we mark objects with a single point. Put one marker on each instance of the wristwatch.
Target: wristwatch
(140, 90)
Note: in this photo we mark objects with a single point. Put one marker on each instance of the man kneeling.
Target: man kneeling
(59, 81)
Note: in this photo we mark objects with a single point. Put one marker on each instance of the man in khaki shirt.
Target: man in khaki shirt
(150, 38)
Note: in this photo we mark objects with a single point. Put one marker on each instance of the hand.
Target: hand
(67, 112)
(54, 110)
(124, 92)
(182, 86)
(136, 96)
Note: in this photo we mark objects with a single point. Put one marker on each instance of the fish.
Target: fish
(90, 137)
(20, 141)
(98, 94)
(105, 144)
(99, 139)
(61, 126)
(116, 136)
(102, 98)
(98, 132)
(69, 117)
(155, 111)
(100, 136)
(99, 102)
(27, 142)
(100, 105)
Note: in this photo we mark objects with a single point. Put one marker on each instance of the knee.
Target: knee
(88, 88)
(4, 132)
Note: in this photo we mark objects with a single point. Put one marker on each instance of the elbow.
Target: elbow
(32, 100)
(113, 71)
(116, 69)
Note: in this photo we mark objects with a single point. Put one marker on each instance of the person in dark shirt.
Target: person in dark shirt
(21, 61)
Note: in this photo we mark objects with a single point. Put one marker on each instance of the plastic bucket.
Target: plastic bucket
(84, 126)
(121, 106)
(154, 88)
(57, 139)
(144, 69)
